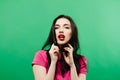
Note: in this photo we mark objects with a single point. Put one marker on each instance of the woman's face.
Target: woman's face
(63, 31)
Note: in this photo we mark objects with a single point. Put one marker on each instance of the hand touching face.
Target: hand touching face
(69, 58)
(54, 52)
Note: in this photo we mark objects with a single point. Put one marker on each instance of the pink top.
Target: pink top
(41, 59)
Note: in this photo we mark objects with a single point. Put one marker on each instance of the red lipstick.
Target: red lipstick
(61, 37)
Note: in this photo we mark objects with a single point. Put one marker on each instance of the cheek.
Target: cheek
(56, 33)
(69, 34)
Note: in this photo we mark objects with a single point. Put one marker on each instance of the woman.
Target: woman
(60, 61)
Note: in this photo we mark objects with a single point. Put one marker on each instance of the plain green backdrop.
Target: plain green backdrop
(25, 25)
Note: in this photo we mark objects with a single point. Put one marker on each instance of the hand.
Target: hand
(69, 58)
(54, 51)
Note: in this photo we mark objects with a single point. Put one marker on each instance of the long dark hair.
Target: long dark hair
(73, 41)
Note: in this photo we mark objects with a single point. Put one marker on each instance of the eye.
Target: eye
(56, 27)
(67, 27)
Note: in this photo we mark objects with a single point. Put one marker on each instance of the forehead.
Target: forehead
(62, 21)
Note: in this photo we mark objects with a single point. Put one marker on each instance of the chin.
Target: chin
(61, 43)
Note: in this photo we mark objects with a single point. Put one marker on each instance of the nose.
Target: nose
(61, 30)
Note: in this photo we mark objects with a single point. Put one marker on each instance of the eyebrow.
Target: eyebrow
(66, 24)
(57, 25)
(63, 25)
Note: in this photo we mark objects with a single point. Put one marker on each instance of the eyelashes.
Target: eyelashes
(65, 27)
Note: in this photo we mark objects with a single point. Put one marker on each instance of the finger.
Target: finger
(55, 54)
(67, 48)
(54, 47)
(56, 51)
(64, 55)
(69, 45)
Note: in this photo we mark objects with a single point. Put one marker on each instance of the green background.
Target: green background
(25, 24)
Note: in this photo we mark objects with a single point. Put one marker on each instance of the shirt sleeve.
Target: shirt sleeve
(83, 65)
(40, 58)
